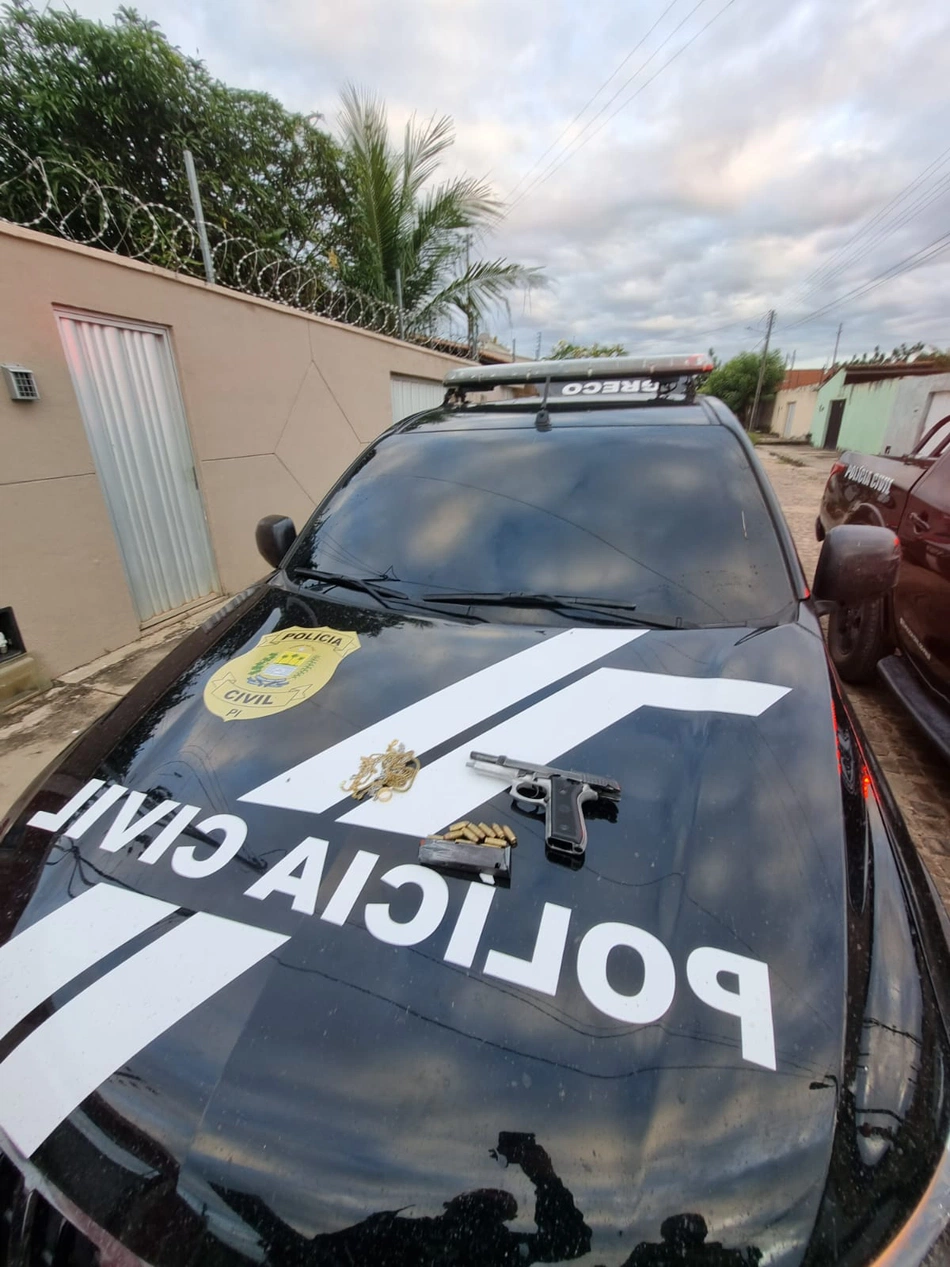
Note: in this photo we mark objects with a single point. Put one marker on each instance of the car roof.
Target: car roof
(523, 414)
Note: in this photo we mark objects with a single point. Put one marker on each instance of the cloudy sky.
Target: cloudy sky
(735, 155)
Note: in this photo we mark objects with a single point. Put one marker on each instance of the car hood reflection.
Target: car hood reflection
(473, 1093)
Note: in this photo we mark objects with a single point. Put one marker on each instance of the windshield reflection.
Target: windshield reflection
(668, 518)
(684, 1244)
(472, 1231)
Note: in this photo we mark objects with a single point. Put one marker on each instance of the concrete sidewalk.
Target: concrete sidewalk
(34, 728)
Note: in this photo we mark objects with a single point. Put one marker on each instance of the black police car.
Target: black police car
(289, 976)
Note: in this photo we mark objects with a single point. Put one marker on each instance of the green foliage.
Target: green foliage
(398, 220)
(735, 382)
(122, 104)
(564, 351)
(112, 108)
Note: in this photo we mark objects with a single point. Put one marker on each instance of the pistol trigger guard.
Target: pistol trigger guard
(529, 793)
(528, 806)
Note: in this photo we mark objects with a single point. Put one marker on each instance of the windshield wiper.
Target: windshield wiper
(561, 602)
(379, 592)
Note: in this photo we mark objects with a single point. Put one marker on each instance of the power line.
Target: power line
(538, 161)
(580, 141)
(819, 273)
(898, 197)
(729, 325)
(910, 213)
(906, 265)
(739, 321)
(886, 231)
(692, 40)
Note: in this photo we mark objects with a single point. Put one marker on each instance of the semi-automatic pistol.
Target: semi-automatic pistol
(563, 794)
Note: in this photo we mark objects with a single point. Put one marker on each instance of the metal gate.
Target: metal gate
(131, 406)
(410, 395)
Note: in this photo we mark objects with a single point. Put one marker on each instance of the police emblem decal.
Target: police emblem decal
(283, 669)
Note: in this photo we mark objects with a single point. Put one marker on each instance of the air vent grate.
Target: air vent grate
(20, 382)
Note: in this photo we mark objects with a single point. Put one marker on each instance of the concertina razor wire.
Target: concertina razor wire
(55, 196)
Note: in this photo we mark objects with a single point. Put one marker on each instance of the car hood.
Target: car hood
(347, 1062)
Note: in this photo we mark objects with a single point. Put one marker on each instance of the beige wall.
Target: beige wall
(278, 404)
(804, 399)
(911, 415)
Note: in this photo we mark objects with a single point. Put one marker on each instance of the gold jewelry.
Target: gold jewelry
(382, 773)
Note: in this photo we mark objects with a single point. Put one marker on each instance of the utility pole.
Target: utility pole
(834, 359)
(758, 386)
(472, 324)
(402, 315)
(199, 216)
(537, 350)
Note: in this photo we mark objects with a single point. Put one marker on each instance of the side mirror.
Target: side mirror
(275, 535)
(857, 563)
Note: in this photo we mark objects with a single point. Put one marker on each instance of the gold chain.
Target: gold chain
(382, 773)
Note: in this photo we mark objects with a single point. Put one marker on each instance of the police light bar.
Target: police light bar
(653, 369)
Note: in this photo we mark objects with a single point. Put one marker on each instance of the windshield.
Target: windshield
(935, 441)
(668, 518)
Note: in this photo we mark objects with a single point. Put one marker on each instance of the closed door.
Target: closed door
(127, 388)
(834, 424)
(789, 417)
(922, 597)
(412, 395)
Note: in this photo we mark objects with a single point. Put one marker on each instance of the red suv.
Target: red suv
(906, 636)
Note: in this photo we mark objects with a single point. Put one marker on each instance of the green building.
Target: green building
(879, 408)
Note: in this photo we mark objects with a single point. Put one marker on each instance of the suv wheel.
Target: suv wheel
(856, 640)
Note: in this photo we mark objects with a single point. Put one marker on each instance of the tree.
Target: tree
(735, 382)
(121, 104)
(563, 351)
(399, 221)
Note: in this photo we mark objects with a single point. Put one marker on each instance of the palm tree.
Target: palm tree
(397, 221)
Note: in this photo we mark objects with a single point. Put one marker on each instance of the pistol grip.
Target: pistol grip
(565, 828)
